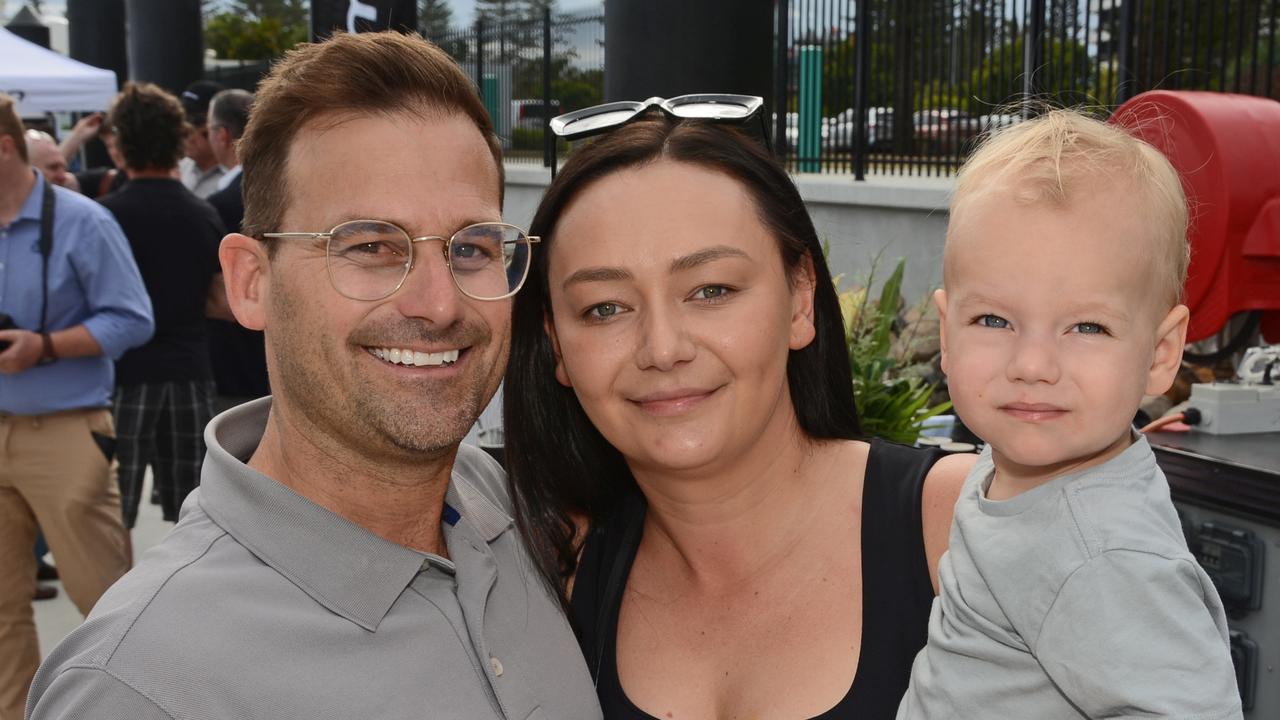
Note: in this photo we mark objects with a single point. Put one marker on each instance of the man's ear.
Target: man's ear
(940, 302)
(803, 284)
(1171, 338)
(549, 326)
(246, 270)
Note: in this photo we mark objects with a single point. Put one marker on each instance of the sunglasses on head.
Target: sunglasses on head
(725, 108)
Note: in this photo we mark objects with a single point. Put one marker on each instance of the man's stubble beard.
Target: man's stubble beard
(368, 416)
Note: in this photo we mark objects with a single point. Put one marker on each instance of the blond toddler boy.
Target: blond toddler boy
(1068, 590)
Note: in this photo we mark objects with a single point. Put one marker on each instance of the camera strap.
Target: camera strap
(46, 249)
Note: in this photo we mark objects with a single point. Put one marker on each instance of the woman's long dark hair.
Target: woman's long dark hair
(558, 462)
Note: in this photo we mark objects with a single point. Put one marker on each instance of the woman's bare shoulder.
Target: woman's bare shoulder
(938, 503)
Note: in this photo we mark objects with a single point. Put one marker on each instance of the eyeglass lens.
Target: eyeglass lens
(710, 110)
(369, 259)
(605, 118)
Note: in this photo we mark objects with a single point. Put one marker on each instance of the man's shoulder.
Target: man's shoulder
(156, 594)
(477, 471)
(71, 205)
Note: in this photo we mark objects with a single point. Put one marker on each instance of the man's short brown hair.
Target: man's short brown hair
(11, 125)
(344, 76)
(149, 125)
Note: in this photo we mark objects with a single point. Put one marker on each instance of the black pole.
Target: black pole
(781, 43)
(674, 47)
(862, 36)
(1125, 61)
(166, 43)
(96, 33)
(1032, 52)
(548, 139)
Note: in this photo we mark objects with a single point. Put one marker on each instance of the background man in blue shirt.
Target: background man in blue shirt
(56, 377)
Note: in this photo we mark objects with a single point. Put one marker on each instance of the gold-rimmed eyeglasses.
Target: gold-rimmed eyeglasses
(370, 259)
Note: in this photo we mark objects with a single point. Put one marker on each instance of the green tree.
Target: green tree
(1064, 79)
(255, 29)
(435, 19)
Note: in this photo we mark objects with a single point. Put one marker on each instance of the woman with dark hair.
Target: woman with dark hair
(683, 445)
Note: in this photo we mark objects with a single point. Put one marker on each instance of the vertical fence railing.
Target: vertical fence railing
(908, 86)
(529, 69)
(905, 86)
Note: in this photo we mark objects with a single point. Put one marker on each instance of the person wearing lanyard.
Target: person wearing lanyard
(73, 301)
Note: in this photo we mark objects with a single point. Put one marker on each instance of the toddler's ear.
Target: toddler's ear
(1171, 338)
(940, 301)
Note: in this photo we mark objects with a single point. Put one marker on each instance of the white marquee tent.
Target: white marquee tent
(43, 81)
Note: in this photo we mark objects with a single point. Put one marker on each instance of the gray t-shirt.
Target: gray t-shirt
(262, 604)
(1075, 599)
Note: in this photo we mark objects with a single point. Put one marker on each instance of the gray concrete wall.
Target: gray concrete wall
(889, 217)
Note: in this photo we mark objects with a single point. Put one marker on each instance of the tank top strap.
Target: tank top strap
(897, 592)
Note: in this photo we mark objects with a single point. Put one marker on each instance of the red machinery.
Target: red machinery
(1226, 148)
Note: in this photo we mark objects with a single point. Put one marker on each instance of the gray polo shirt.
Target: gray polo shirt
(262, 604)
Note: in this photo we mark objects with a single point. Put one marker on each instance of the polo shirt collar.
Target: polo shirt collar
(341, 565)
(32, 208)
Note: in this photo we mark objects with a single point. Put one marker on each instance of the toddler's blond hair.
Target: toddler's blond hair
(1063, 153)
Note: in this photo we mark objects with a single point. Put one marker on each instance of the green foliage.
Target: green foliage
(434, 19)
(999, 79)
(234, 37)
(257, 29)
(892, 400)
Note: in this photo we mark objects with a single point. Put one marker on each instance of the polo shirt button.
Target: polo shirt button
(496, 664)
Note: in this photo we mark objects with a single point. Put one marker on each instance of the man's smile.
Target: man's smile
(414, 358)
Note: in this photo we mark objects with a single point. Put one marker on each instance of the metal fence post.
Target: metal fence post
(781, 40)
(862, 73)
(548, 138)
(1032, 53)
(1124, 70)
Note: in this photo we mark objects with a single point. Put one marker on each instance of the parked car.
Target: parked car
(943, 130)
(841, 129)
(532, 114)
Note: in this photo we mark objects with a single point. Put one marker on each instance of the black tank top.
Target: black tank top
(896, 588)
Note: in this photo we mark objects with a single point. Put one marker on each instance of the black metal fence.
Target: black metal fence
(530, 69)
(934, 74)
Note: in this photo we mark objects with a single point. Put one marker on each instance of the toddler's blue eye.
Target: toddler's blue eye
(1088, 328)
(993, 321)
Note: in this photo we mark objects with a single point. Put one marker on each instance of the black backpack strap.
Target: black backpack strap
(46, 249)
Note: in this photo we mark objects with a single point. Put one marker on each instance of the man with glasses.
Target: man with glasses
(344, 557)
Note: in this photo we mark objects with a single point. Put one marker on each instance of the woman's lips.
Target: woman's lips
(1033, 412)
(672, 402)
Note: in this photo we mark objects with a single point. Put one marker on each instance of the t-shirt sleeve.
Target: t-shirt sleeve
(86, 692)
(1134, 634)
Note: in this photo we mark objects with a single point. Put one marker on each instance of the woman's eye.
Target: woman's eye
(993, 321)
(711, 292)
(602, 311)
(1088, 328)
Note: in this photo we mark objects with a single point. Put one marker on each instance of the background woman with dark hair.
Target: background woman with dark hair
(683, 444)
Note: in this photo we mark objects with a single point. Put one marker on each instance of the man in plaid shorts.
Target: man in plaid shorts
(164, 389)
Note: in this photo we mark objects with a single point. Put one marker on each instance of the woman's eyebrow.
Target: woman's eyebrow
(596, 274)
(687, 262)
(704, 256)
